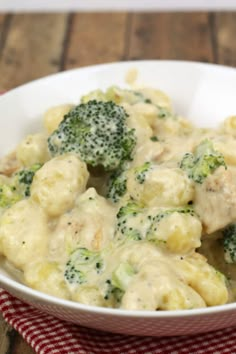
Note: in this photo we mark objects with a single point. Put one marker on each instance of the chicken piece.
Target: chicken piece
(215, 199)
(9, 164)
(90, 224)
(155, 185)
(147, 151)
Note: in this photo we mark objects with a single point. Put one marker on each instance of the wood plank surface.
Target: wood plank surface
(19, 346)
(95, 38)
(35, 45)
(171, 36)
(11, 341)
(33, 48)
(225, 32)
(4, 23)
(5, 330)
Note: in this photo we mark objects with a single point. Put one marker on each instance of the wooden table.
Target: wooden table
(35, 45)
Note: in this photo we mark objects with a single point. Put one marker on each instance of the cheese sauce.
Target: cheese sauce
(148, 235)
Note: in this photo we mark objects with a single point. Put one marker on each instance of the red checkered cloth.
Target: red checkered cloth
(48, 335)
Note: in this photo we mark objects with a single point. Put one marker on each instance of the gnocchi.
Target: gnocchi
(114, 205)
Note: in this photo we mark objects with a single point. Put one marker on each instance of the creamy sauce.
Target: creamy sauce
(155, 246)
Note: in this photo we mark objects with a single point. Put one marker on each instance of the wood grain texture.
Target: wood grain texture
(33, 48)
(171, 36)
(95, 38)
(224, 25)
(5, 329)
(11, 342)
(20, 346)
(4, 19)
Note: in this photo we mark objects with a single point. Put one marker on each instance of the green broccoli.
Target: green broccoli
(97, 132)
(113, 293)
(81, 262)
(129, 218)
(24, 179)
(120, 279)
(140, 172)
(130, 209)
(97, 95)
(17, 187)
(229, 243)
(117, 95)
(8, 195)
(122, 276)
(117, 186)
(203, 162)
(134, 222)
(156, 219)
(164, 113)
(141, 98)
(154, 138)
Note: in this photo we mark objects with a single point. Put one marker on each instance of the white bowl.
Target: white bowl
(204, 93)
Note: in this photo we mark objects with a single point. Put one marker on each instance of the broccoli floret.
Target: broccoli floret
(122, 276)
(203, 162)
(116, 286)
(8, 195)
(113, 293)
(130, 209)
(229, 243)
(117, 186)
(81, 262)
(164, 113)
(74, 275)
(128, 221)
(141, 98)
(17, 187)
(134, 222)
(116, 95)
(156, 219)
(140, 172)
(97, 132)
(154, 138)
(185, 210)
(24, 178)
(117, 182)
(97, 95)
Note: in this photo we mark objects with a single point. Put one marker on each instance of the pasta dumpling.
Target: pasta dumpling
(206, 280)
(112, 205)
(163, 291)
(58, 183)
(54, 115)
(47, 277)
(229, 126)
(24, 233)
(178, 232)
(165, 281)
(33, 149)
(154, 185)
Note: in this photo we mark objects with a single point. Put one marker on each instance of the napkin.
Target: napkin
(49, 335)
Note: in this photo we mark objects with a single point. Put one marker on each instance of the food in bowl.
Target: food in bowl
(122, 203)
